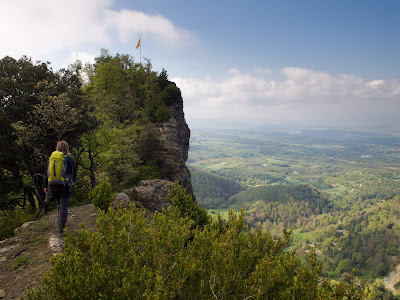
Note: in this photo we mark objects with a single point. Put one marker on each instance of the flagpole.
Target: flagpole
(139, 45)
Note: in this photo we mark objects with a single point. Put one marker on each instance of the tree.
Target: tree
(187, 208)
(38, 108)
(53, 116)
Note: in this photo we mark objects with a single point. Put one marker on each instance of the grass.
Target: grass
(292, 181)
(338, 190)
(219, 163)
(224, 212)
(9, 220)
(20, 261)
(299, 237)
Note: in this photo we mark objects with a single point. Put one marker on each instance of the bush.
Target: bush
(80, 193)
(149, 172)
(187, 207)
(158, 111)
(11, 219)
(160, 257)
(101, 195)
(171, 94)
(345, 265)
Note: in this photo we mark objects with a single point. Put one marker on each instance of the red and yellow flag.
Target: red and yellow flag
(138, 44)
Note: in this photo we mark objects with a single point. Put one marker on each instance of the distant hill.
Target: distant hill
(211, 190)
(284, 194)
(292, 205)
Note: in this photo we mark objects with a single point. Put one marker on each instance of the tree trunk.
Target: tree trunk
(92, 168)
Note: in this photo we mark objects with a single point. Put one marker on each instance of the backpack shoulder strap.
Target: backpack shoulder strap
(68, 159)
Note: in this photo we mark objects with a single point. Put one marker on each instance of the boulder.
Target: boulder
(149, 194)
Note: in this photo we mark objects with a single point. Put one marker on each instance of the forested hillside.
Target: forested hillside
(212, 189)
(291, 205)
(338, 190)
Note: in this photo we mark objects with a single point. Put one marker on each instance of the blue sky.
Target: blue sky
(238, 63)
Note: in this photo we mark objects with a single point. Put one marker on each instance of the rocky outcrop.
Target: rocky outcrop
(150, 194)
(175, 135)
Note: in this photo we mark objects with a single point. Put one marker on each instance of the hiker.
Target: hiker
(59, 179)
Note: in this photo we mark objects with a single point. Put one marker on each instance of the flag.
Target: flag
(138, 44)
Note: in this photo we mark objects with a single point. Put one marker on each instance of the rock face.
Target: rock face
(175, 135)
(150, 194)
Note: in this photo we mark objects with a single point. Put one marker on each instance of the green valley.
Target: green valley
(338, 190)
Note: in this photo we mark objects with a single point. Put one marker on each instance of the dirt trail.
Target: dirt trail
(25, 258)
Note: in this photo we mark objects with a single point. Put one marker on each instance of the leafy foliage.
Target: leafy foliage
(368, 242)
(11, 219)
(211, 189)
(38, 108)
(128, 100)
(130, 256)
(101, 196)
(186, 207)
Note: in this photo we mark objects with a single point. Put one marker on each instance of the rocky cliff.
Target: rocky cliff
(175, 135)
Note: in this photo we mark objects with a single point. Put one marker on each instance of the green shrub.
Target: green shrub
(9, 220)
(160, 257)
(149, 172)
(81, 190)
(171, 94)
(158, 111)
(187, 207)
(101, 195)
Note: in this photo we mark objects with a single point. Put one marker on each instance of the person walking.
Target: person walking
(59, 179)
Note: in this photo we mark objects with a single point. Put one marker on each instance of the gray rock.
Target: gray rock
(8, 245)
(24, 227)
(122, 200)
(149, 194)
(56, 244)
(175, 135)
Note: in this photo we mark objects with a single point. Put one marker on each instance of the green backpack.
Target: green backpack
(57, 170)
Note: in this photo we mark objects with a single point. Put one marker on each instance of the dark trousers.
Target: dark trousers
(61, 193)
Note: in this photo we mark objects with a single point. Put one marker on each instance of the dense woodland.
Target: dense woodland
(339, 191)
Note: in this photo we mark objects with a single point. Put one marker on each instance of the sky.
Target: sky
(239, 64)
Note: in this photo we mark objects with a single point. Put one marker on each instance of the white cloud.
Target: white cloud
(83, 57)
(304, 97)
(131, 23)
(42, 27)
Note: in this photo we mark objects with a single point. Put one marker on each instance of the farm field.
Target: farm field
(337, 190)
